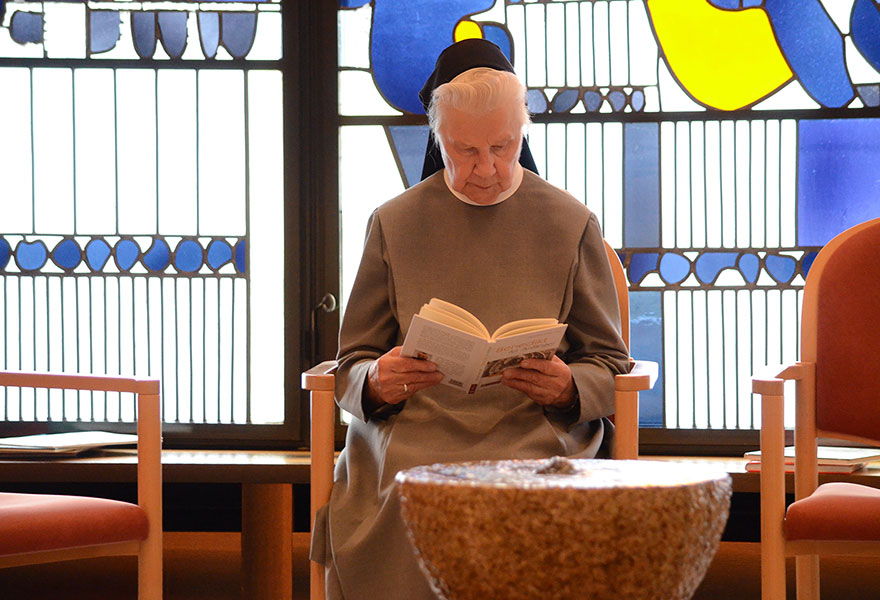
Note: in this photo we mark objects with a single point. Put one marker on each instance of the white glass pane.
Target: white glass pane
(364, 155)
(354, 36)
(53, 150)
(136, 150)
(667, 184)
(757, 175)
(573, 68)
(601, 44)
(642, 46)
(212, 350)
(16, 194)
(682, 185)
(177, 138)
(788, 185)
(728, 184)
(612, 198)
(588, 63)
(772, 188)
(698, 185)
(221, 153)
(712, 161)
(224, 353)
(595, 168)
(555, 35)
(239, 384)
(64, 29)
(575, 157)
(358, 95)
(95, 152)
(536, 58)
(670, 372)
(265, 248)
(267, 42)
(618, 42)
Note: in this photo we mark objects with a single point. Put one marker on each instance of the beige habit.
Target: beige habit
(539, 253)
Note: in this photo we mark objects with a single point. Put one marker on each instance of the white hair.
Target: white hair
(478, 91)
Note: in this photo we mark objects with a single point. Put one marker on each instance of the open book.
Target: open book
(466, 353)
(831, 455)
(754, 466)
(60, 444)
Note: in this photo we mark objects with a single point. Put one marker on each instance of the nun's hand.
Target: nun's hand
(393, 378)
(547, 382)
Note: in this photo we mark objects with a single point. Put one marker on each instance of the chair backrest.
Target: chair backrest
(622, 287)
(841, 333)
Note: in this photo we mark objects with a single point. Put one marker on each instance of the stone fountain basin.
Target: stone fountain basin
(559, 528)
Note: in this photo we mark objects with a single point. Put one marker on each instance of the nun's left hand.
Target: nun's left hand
(547, 382)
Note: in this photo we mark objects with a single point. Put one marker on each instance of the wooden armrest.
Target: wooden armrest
(642, 377)
(770, 379)
(320, 377)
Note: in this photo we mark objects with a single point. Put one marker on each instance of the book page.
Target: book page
(448, 307)
(511, 350)
(458, 355)
(522, 326)
(832, 455)
(453, 320)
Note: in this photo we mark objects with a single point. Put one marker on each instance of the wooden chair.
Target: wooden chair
(40, 528)
(319, 381)
(837, 389)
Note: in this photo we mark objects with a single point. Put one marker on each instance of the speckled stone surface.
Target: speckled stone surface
(559, 528)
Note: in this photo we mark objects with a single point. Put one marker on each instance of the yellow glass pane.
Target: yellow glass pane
(466, 30)
(725, 59)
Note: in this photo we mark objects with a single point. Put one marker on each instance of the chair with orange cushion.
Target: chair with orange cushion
(40, 528)
(319, 381)
(837, 390)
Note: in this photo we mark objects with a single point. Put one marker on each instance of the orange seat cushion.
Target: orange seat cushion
(37, 522)
(835, 511)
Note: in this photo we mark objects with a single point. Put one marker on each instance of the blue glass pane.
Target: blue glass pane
(781, 268)
(26, 27)
(592, 100)
(209, 32)
(103, 30)
(674, 267)
(710, 264)
(725, 4)
(641, 185)
(188, 256)
(537, 101)
(646, 343)
(748, 266)
(500, 37)
(617, 100)
(813, 47)
(5, 253)
(143, 28)
(219, 253)
(97, 253)
(642, 263)
(172, 30)
(838, 186)
(158, 256)
(637, 100)
(865, 29)
(67, 254)
(352, 3)
(127, 253)
(31, 256)
(406, 39)
(807, 262)
(409, 144)
(240, 263)
(869, 94)
(565, 100)
(237, 32)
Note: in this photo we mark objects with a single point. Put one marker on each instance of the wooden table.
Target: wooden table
(266, 479)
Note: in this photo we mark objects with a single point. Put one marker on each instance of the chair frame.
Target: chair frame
(770, 385)
(320, 382)
(149, 475)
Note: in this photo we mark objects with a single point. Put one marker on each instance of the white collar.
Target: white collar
(514, 185)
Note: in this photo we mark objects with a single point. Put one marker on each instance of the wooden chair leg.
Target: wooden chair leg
(807, 576)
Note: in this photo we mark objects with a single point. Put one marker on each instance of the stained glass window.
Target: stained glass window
(141, 205)
(720, 142)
